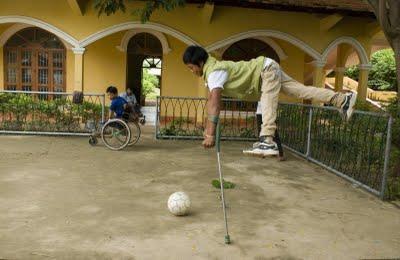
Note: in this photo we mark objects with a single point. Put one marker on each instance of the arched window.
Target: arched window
(34, 60)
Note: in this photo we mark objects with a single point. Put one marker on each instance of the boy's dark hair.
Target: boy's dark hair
(195, 55)
(112, 89)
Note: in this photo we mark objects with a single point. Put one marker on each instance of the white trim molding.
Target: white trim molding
(29, 21)
(365, 67)
(137, 25)
(362, 54)
(318, 63)
(129, 34)
(274, 45)
(265, 33)
(78, 50)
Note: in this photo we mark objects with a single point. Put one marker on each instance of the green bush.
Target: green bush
(175, 128)
(149, 82)
(352, 72)
(394, 176)
(23, 112)
(383, 73)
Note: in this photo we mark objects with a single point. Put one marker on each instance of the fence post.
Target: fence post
(157, 116)
(103, 105)
(387, 157)
(309, 133)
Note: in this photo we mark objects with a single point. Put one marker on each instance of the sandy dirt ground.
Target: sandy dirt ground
(63, 199)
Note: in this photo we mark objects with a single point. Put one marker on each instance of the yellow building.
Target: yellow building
(63, 45)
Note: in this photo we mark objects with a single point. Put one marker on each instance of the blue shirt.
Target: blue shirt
(117, 106)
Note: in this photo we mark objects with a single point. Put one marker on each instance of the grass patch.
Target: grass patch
(227, 184)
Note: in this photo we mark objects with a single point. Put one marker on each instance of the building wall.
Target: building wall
(177, 79)
(3, 27)
(226, 21)
(105, 65)
(70, 70)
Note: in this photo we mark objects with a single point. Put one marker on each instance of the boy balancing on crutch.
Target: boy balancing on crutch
(259, 79)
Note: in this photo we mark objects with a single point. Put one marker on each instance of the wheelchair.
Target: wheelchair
(119, 133)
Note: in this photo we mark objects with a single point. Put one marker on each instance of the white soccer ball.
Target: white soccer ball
(179, 203)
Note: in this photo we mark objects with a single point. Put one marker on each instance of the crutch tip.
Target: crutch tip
(227, 239)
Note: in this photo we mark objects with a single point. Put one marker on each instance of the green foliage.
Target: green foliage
(394, 109)
(364, 106)
(247, 133)
(383, 73)
(175, 128)
(25, 113)
(352, 72)
(109, 7)
(149, 82)
(394, 173)
(153, 95)
(150, 6)
(227, 185)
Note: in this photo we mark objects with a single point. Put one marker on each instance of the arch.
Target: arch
(129, 34)
(137, 25)
(362, 54)
(7, 34)
(29, 22)
(267, 40)
(248, 49)
(260, 34)
(142, 47)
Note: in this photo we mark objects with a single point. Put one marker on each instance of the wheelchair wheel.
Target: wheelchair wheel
(116, 134)
(92, 140)
(135, 133)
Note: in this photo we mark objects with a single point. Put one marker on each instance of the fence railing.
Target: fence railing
(185, 118)
(49, 113)
(357, 150)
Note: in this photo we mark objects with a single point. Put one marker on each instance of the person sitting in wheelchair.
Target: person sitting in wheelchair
(132, 102)
(120, 108)
(118, 104)
(131, 99)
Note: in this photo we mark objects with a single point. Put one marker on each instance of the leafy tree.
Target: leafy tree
(149, 82)
(109, 7)
(383, 73)
(388, 14)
